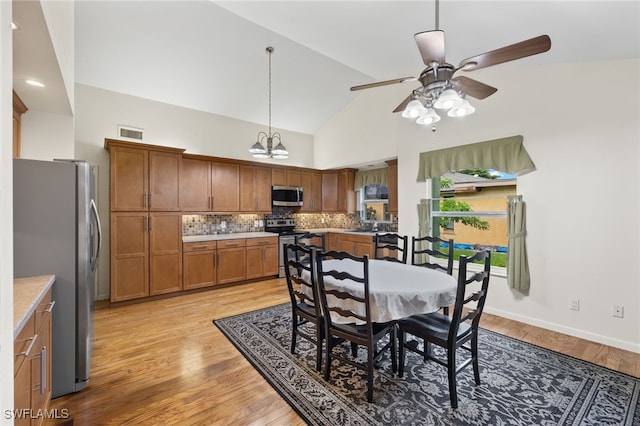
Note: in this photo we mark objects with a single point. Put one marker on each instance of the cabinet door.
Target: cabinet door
(254, 262)
(364, 248)
(333, 241)
(312, 186)
(164, 181)
(270, 260)
(255, 189)
(195, 185)
(293, 178)
(199, 269)
(165, 253)
(329, 192)
(129, 179)
(129, 256)
(392, 186)
(263, 190)
(225, 184)
(348, 246)
(279, 176)
(231, 265)
(346, 193)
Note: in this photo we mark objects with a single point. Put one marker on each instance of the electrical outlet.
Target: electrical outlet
(255, 223)
(617, 311)
(223, 224)
(322, 220)
(574, 304)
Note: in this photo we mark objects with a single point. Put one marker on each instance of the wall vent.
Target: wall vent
(130, 132)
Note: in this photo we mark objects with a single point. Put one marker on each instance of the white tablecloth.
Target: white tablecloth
(396, 290)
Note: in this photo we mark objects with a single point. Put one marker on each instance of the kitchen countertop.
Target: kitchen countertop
(27, 294)
(339, 231)
(217, 237)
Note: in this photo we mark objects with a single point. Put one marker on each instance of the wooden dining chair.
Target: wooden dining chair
(391, 247)
(451, 333)
(352, 303)
(424, 248)
(310, 240)
(303, 292)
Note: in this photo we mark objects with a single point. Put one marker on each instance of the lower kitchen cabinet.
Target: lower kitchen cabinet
(231, 260)
(358, 245)
(32, 365)
(199, 263)
(262, 257)
(146, 254)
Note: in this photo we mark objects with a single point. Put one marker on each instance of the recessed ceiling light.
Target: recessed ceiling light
(34, 83)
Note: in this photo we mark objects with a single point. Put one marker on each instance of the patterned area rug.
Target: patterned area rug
(521, 384)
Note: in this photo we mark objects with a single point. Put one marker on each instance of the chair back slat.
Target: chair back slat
(394, 244)
(302, 286)
(424, 248)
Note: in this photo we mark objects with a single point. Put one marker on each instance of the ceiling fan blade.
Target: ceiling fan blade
(508, 53)
(431, 46)
(383, 83)
(404, 103)
(474, 88)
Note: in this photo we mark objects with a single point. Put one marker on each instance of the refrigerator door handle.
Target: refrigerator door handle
(94, 210)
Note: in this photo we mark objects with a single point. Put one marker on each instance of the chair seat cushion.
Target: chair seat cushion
(434, 324)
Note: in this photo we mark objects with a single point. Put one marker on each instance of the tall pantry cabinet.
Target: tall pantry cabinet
(146, 221)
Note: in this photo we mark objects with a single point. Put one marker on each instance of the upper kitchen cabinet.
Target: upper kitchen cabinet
(19, 108)
(255, 189)
(392, 186)
(144, 177)
(338, 194)
(283, 176)
(209, 186)
(311, 183)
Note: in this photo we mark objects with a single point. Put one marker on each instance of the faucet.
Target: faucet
(375, 226)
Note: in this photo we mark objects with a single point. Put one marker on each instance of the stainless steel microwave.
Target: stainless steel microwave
(286, 196)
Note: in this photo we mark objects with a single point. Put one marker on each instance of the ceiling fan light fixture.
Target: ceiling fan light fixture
(462, 110)
(430, 117)
(413, 109)
(449, 98)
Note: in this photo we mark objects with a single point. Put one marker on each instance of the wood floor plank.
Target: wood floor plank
(164, 362)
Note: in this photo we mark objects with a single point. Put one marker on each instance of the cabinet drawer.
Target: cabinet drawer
(199, 246)
(261, 241)
(367, 239)
(237, 242)
(24, 344)
(43, 310)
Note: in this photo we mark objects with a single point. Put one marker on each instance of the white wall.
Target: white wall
(6, 211)
(99, 112)
(46, 136)
(581, 126)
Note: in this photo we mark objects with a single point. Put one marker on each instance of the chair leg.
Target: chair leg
(354, 350)
(370, 353)
(294, 328)
(474, 355)
(401, 342)
(451, 372)
(327, 361)
(394, 355)
(319, 338)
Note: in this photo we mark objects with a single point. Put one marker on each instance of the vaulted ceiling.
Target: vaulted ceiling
(210, 55)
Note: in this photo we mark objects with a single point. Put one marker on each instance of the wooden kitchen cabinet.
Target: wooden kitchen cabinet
(146, 254)
(358, 245)
(209, 186)
(231, 260)
(329, 192)
(262, 257)
(283, 176)
(143, 178)
(311, 183)
(19, 108)
(199, 265)
(255, 189)
(338, 194)
(392, 186)
(32, 363)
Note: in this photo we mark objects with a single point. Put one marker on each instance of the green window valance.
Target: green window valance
(369, 177)
(506, 154)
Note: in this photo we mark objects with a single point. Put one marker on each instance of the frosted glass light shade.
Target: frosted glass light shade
(447, 99)
(257, 148)
(429, 117)
(413, 109)
(464, 109)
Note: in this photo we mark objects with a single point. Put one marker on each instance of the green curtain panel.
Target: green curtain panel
(517, 262)
(424, 226)
(506, 154)
(369, 177)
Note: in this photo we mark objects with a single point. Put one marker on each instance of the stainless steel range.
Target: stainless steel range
(285, 228)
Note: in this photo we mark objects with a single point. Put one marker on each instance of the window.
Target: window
(373, 203)
(472, 210)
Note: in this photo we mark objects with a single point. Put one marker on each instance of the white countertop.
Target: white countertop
(217, 237)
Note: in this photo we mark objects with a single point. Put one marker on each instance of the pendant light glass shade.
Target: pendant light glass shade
(257, 148)
(447, 99)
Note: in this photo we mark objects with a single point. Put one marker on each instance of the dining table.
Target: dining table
(396, 290)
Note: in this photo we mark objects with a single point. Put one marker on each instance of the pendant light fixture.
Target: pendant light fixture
(258, 149)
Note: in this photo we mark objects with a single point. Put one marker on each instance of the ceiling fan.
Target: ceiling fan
(441, 89)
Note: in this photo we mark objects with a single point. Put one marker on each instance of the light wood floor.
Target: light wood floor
(164, 362)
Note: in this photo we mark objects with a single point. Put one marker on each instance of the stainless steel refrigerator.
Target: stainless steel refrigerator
(56, 230)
